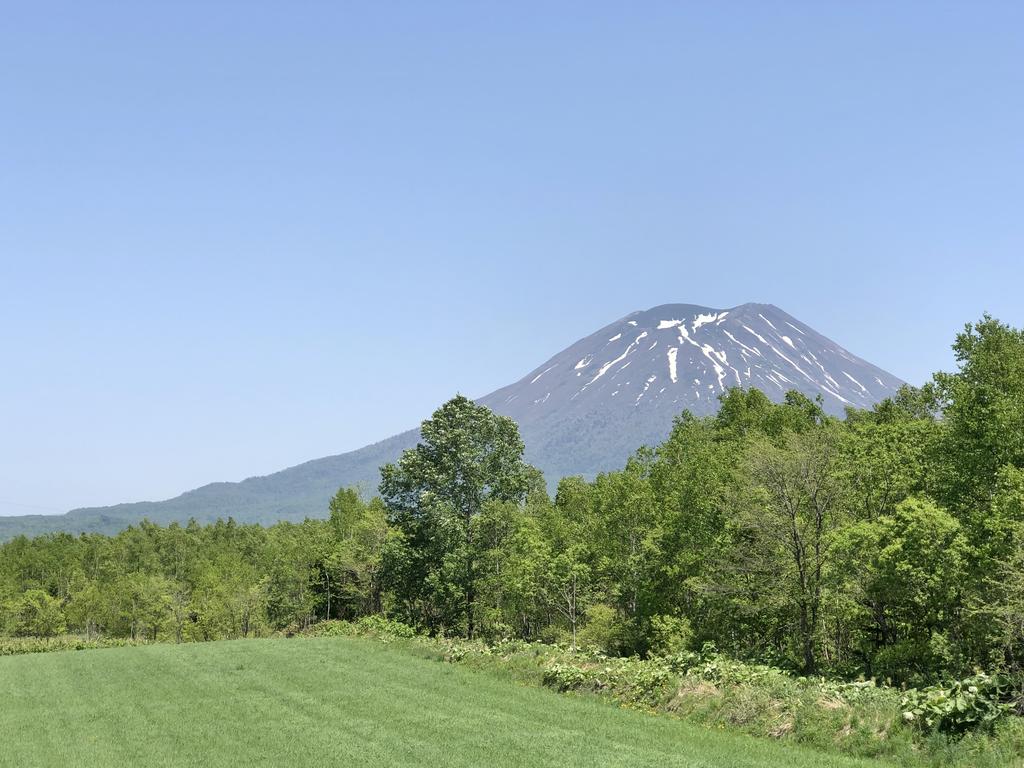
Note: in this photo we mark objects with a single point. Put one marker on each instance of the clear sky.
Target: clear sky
(237, 236)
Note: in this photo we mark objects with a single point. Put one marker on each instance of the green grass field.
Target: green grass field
(329, 701)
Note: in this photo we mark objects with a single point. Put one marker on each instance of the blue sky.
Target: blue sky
(236, 236)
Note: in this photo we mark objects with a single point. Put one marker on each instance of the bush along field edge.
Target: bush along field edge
(964, 722)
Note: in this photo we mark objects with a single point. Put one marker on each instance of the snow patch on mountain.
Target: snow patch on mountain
(707, 351)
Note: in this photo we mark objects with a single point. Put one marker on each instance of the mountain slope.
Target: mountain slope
(583, 411)
(590, 406)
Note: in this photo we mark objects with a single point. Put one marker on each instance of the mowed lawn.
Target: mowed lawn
(329, 701)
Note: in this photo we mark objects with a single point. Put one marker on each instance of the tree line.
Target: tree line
(887, 544)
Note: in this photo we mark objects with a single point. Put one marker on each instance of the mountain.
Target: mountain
(583, 411)
(590, 406)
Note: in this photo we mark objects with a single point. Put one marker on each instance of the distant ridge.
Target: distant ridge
(582, 411)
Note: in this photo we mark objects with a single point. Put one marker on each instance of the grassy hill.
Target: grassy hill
(330, 701)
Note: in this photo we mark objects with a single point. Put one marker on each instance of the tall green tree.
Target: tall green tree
(689, 478)
(353, 558)
(626, 518)
(39, 614)
(467, 457)
(789, 505)
(983, 413)
(908, 570)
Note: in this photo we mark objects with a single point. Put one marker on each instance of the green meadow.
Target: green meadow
(330, 701)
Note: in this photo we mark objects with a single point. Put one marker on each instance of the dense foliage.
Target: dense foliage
(886, 545)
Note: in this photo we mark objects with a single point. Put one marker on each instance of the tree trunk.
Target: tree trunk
(807, 638)
(573, 611)
(327, 576)
(470, 576)
(470, 597)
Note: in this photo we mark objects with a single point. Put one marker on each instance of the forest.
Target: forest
(885, 545)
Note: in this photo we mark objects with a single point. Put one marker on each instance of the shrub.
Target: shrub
(713, 667)
(565, 677)
(39, 615)
(669, 634)
(384, 628)
(333, 628)
(975, 702)
(11, 646)
(602, 629)
(373, 625)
